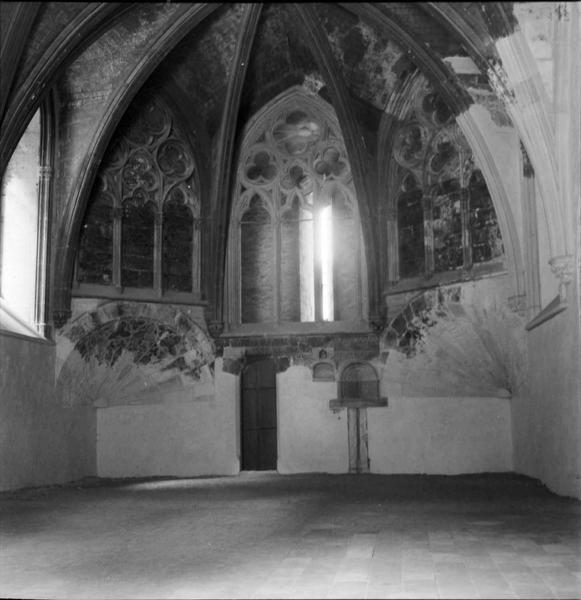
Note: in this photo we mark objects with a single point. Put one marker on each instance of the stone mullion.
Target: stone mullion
(157, 253)
(318, 266)
(530, 226)
(358, 274)
(466, 235)
(276, 266)
(195, 254)
(427, 203)
(117, 248)
(45, 182)
(392, 244)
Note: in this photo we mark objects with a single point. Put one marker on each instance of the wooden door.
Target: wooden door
(258, 415)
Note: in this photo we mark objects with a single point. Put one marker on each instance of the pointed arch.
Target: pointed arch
(399, 107)
(292, 155)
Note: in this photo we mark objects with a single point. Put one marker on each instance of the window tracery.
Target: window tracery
(310, 246)
(141, 229)
(446, 221)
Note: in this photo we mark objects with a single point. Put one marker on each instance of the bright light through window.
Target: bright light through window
(18, 237)
(326, 254)
(307, 266)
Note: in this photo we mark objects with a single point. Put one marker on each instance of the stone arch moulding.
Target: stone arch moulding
(117, 104)
(396, 111)
(21, 103)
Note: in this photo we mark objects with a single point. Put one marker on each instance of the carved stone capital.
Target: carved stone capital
(562, 267)
(216, 328)
(518, 304)
(60, 317)
(46, 171)
(377, 323)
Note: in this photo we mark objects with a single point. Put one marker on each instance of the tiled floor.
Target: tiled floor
(261, 535)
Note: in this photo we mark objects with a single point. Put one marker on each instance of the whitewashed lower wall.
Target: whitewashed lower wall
(182, 435)
(310, 437)
(444, 436)
(189, 436)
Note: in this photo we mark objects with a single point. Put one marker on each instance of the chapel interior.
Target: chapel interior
(321, 260)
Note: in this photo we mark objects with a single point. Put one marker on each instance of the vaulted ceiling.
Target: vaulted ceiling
(219, 63)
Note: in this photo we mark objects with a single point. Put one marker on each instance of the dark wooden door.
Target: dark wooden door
(258, 413)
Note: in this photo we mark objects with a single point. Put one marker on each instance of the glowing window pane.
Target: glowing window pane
(326, 255)
(19, 225)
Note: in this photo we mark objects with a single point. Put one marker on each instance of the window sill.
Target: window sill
(339, 403)
(13, 326)
(286, 328)
(87, 290)
(446, 278)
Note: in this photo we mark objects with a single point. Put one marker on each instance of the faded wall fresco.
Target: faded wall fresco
(457, 340)
(129, 353)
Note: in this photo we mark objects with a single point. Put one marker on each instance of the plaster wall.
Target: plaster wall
(444, 436)
(180, 435)
(547, 418)
(42, 441)
(311, 438)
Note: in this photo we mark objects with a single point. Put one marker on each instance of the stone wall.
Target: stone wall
(177, 435)
(311, 438)
(42, 441)
(444, 436)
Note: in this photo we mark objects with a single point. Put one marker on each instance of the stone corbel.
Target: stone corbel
(562, 267)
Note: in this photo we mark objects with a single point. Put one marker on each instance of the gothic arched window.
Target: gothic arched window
(25, 198)
(295, 245)
(140, 235)
(445, 222)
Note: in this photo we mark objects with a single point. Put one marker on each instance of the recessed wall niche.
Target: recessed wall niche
(323, 371)
(358, 387)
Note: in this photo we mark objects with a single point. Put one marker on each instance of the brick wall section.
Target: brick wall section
(298, 349)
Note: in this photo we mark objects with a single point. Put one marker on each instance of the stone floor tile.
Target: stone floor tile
(379, 590)
(574, 593)
(532, 591)
(348, 590)
(447, 557)
(420, 588)
(542, 559)
(352, 575)
(427, 542)
(496, 595)
(523, 578)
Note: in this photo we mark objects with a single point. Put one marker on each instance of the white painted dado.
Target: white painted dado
(444, 436)
(183, 435)
(311, 438)
(188, 436)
